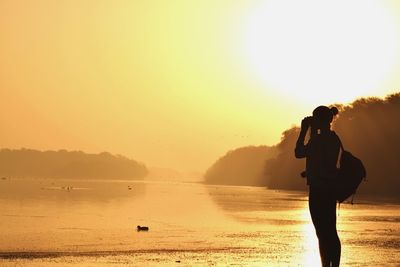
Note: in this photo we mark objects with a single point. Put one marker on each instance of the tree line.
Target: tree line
(29, 163)
(368, 127)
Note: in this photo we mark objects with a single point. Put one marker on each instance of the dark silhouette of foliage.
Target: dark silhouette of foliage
(243, 166)
(285, 165)
(68, 164)
(369, 128)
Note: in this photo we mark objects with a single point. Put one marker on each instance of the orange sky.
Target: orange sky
(172, 83)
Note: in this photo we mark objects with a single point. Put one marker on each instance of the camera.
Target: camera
(309, 121)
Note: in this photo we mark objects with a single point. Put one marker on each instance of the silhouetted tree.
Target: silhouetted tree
(243, 166)
(283, 171)
(368, 127)
(64, 164)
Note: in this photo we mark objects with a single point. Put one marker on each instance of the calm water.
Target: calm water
(83, 223)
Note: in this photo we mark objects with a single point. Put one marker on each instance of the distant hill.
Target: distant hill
(242, 166)
(368, 127)
(30, 163)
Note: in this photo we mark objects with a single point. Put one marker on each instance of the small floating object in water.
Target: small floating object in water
(142, 228)
(129, 188)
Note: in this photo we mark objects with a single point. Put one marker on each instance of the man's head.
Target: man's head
(323, 116)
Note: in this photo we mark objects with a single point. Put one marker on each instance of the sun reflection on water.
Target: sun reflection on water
(310, 241)
(311, 252)
(240, 226)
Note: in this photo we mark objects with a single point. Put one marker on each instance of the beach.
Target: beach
(49, 222)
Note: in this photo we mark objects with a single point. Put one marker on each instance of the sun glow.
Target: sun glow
(322, 51)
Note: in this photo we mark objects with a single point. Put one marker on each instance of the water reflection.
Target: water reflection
(310, 246)
(259, 205)
(62, 190)
(278, 223)
(281, 222)
(197, 224)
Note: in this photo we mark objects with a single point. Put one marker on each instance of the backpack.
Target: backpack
(351, 172)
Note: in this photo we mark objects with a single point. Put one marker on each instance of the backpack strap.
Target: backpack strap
(352, 198)
(340, 141)
(341, 146)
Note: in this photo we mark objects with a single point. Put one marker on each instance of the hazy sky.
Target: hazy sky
(178, 83)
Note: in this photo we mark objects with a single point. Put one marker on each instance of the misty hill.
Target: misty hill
(68, 164)
(242, 166)
(368, 127)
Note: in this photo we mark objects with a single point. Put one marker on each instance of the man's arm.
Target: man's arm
(301, 150)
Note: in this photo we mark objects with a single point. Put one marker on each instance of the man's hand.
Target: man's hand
(305, 123)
